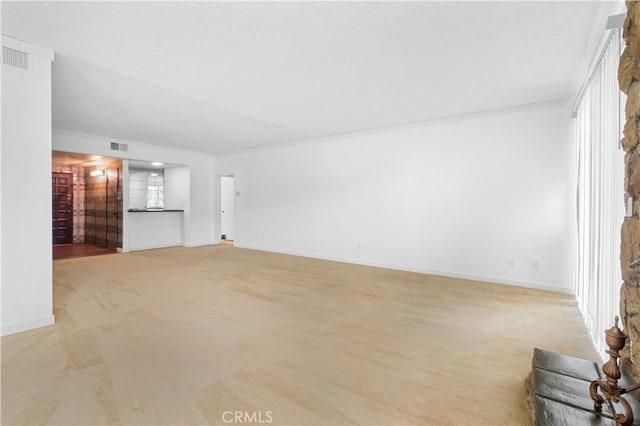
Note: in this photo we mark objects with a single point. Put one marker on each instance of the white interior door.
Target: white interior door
(226, 204)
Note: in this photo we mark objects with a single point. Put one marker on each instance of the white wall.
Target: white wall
(457, 197)
(176, 188)
(199, 226)
(27, 299)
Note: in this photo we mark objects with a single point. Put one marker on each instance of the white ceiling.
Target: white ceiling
(218, 77)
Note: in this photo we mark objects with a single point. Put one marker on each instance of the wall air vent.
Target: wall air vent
(15, 58)
(115, 146)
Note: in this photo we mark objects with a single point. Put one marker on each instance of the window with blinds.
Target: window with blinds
(600, 202)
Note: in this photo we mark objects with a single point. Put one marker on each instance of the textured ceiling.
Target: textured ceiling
(219, 77)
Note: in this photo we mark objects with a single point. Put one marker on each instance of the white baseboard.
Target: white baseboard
(449, 274)
(27, 325)
(153, 247)
(200, 244)
(158, 246)
(192, 245)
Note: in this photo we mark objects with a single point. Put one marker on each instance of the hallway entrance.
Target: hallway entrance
(86, 204)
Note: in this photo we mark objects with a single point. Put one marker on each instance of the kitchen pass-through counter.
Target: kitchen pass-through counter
(155, 228)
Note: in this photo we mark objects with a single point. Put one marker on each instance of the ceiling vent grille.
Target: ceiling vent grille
(15, 58)
(115, 146)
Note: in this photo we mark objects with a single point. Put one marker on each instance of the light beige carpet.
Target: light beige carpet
(189, 335)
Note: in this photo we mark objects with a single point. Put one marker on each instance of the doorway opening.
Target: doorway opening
(86, 205)
(226, 209)
(62, 207)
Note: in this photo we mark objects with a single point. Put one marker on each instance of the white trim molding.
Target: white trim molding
(27, 325)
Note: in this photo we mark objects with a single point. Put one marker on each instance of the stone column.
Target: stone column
(629, 79)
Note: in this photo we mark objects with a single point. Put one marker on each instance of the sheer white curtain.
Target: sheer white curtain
(600, 193)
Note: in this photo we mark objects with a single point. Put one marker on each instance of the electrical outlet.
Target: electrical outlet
(511, 262)
(535, 264)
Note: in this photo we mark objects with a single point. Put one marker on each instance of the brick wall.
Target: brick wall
(629, 79)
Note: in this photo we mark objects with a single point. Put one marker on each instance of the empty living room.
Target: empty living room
(320, 213)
